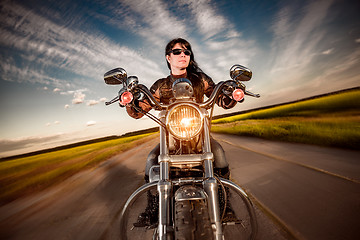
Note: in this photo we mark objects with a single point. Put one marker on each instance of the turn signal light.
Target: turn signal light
(238, 95)
(126, 98)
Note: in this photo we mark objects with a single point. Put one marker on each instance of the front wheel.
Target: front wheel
(192, 221)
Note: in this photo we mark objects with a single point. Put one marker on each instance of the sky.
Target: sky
(53, 55)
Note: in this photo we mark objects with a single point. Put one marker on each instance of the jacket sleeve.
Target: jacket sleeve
(223, 100)
(145, 104)
(209, 84)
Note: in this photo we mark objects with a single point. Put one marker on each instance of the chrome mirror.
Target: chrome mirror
(240, 73)
(115, 76)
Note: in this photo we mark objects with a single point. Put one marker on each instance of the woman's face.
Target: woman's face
(178, 62)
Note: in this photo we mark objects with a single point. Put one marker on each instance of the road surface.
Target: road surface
(313, 191)
(300, 192)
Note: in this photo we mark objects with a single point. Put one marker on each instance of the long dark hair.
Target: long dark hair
(193, 66)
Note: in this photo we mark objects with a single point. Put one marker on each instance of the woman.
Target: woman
(181, 62)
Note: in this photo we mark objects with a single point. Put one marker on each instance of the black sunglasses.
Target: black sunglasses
(179, 51)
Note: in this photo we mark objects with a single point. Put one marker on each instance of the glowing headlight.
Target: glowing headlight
(184, 121)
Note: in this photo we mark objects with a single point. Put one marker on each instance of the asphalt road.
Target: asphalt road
(314, 192)
(300, 192)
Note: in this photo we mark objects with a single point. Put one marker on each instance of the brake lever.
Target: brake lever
(114, 100)
(251, 94)
(243, 87)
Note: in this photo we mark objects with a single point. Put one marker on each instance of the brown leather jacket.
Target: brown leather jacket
(162, 92)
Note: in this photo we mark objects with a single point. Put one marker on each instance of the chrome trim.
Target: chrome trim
(208, 162)
(163, 186)
(208, 169)
(192, 105)
(164, 190)
(115, 76)
(206, 145)
(132, 82)
(154, 173)
(210, 185)
(182, 89)
(211, 189)
(188, 192)
(214, 95)
(183, 181)
(187, 159)
(164, 171)
(240, 73)
(153, 102)
(163, 147)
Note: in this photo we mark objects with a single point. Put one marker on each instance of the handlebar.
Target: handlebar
(207, 105)
(154, 103)
(215, 94)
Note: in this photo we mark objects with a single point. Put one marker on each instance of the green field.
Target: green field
(332, 121)
(24, 175)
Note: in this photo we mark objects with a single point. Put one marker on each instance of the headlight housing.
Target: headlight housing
(184, 121)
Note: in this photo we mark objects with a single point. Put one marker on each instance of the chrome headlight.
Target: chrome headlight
(184, 121)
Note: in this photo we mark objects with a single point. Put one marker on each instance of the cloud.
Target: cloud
(103, 99)
(56, 90)
(149, 19)
(66, 106)
(13, 73)
(208, 21)
(327, 52)
(86, 53)
(92, 102)
(297, 35)
(90, 123)
(79, 97)
(221, 45)
(347, 69)
(304, 59)
(18, 143)
(46, 43)
(70, 92)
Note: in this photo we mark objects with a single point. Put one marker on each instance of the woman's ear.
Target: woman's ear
(168, 58)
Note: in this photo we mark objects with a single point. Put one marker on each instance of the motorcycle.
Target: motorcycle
(187, 189)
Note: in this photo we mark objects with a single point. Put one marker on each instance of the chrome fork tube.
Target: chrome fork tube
(211, 188)
(211, 185)
(164, 156)
(164, 187)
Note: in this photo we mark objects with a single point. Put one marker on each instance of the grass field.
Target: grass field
(332, 120)
(21, 176)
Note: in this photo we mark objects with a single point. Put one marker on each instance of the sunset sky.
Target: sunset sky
(54, 55)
